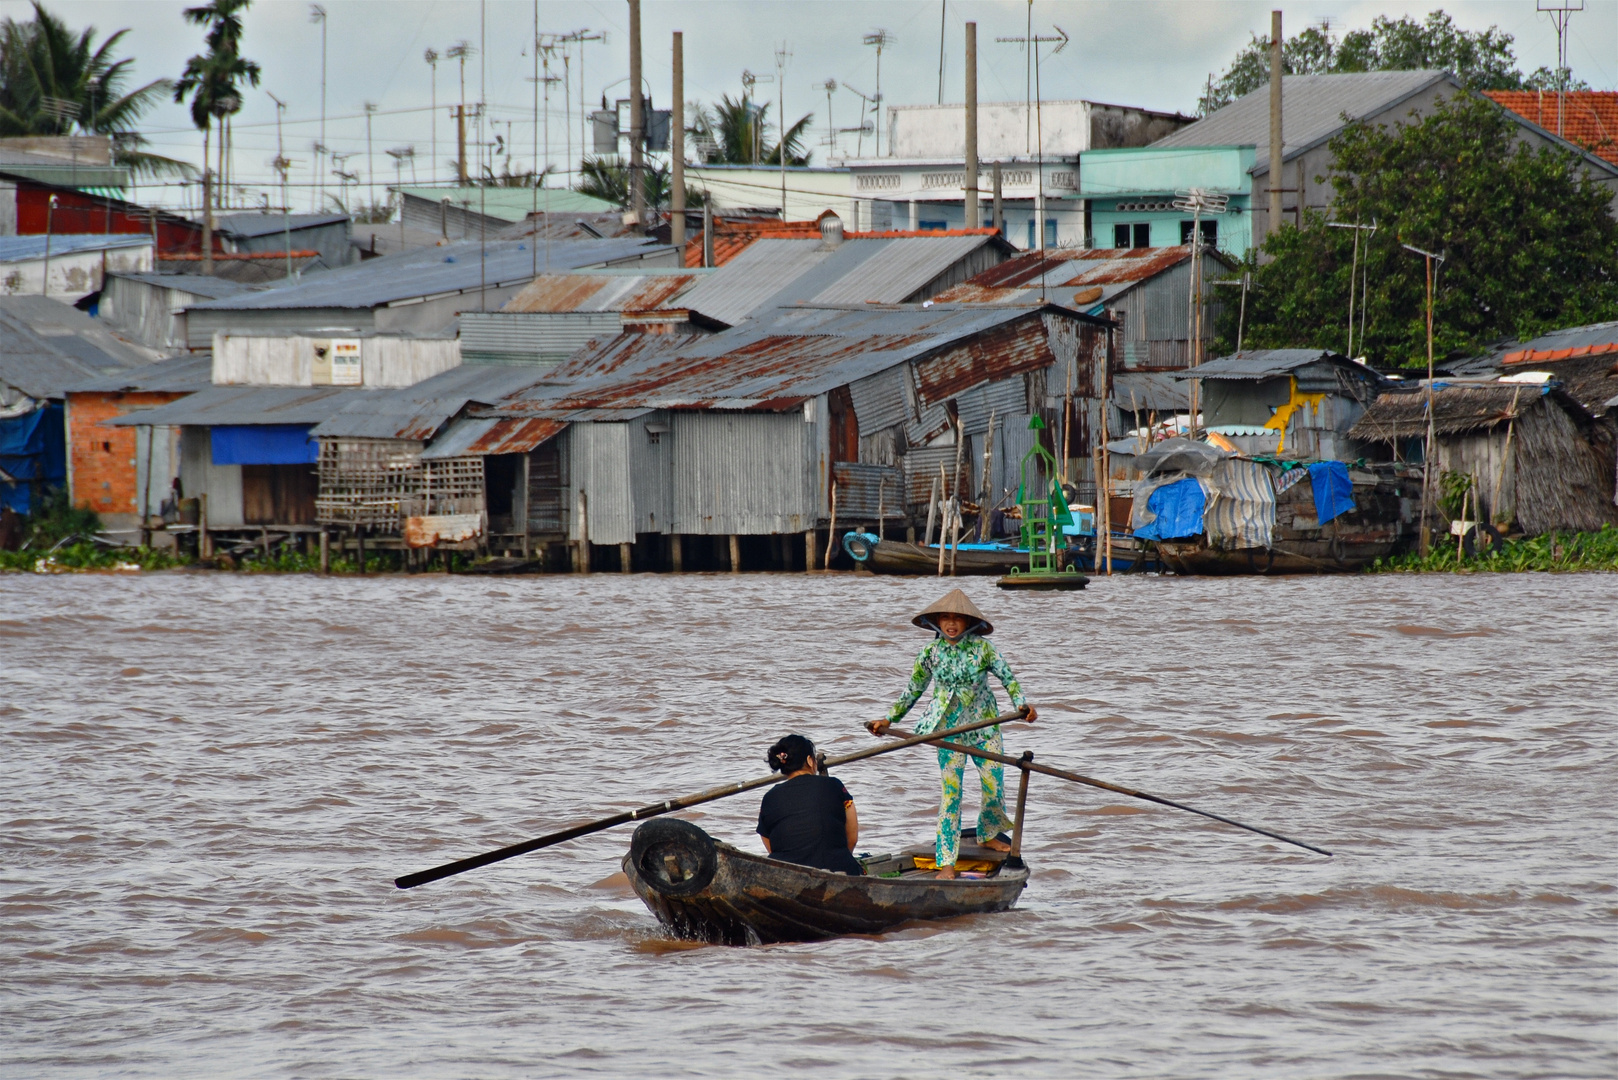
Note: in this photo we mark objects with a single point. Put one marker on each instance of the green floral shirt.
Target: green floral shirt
(960, 674)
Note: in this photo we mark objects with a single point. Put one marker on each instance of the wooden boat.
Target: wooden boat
(704, 890)
(898, 557)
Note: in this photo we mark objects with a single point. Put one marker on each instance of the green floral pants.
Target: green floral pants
(992, 819)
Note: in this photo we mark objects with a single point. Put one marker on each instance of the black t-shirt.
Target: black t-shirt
(806, 823)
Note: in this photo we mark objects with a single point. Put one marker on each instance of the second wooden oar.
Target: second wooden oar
(1063, 774)
(460, 866)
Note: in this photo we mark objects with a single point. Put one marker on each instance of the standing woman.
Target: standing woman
(958, 662)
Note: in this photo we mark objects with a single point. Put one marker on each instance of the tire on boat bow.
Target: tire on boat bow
(673, 857)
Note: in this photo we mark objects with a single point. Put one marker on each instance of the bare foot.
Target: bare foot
(946, 873)
(996, 845)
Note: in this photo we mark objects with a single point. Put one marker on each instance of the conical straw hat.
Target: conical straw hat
(955, 602)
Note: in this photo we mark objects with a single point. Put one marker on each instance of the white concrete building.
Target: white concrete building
(918, 180)
(69, 267)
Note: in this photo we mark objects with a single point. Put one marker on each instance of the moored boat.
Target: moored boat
(704, 890)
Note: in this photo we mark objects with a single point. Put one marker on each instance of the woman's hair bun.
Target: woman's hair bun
(790, 754)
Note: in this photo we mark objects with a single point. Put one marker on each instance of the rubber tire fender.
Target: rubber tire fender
(858, 546)
(662, 839)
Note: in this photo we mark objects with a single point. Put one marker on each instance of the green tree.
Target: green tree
(737, 133)
(608, 178)
(213, 80)
(1482, 60)
(1530, 242)
(53, 81)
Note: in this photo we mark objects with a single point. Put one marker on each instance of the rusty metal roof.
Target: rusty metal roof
(472, 436)
(585, 291)
(1081, 277)
(420, 411)
(798, 352)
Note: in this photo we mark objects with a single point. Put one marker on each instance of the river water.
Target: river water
(207, 783)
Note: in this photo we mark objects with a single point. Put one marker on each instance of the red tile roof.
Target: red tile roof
(1540, 356)
(1589, 117)
(731, 238)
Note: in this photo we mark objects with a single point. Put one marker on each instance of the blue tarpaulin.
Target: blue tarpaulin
(1178, 509)
(1334, 492)
(33, 449)
(264, 444)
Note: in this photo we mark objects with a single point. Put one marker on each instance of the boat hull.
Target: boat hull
(898, 557)
(1320, 557)
(753, 900)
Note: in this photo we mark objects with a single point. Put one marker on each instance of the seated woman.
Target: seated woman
(808, 819)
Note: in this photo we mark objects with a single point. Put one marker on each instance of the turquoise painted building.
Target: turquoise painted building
(1131, 195)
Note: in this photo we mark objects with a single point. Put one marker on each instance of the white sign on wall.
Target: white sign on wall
(345, 362)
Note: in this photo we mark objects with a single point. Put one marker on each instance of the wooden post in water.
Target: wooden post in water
(325, 551)
(735, 554)
(809, 544)
(1014, 858)
(359, 544)
(932, 512)
(626, 558)
(831, 533)
(204, 544)
(881, 508)
(676, 553)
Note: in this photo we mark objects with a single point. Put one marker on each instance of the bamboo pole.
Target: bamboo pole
(932, 513)
(943, 525)
(831, 534)
(460, 866)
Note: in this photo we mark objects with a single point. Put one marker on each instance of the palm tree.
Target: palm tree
(736, 129)
(212, 80)
(608, 178)
(53, 81)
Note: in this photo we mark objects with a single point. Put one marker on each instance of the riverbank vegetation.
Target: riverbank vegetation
(1553, 552)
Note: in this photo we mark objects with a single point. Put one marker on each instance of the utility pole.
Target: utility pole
(1032, 42)
(781, 58)
(459, 51)
(1276, 144)
(943, 22)
(637, 125)
(281, 164)
(1560, 12)
(317, 14)
(579, 37)
(880, 39)
(1197, 201)
(973, 218)
(1427, 452)
(677, 145)
(431, 56)
(1353, 271)
(370, 161)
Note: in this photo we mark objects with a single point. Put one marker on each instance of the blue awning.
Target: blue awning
(263, 444)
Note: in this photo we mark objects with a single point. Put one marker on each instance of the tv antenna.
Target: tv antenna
(868, 103)
(879, 39)
(1560, 12)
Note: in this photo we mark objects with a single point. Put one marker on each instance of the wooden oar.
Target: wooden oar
(1063, 774)
(460, 866)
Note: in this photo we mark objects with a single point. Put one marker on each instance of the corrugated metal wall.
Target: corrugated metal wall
(745, 473)
(522, 337)
(599, 461)
(150, 314)
(202, 324)
(651, 471)
(256, 360)
(866, 490)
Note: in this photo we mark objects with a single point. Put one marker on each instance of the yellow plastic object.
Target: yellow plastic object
(975, 865)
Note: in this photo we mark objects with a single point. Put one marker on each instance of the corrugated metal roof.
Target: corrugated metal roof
(1312, 106)
(584, 291)
(420, 411)
(511, 204)
(775, 272)
(1081, 277)
(481, 435)
(798, 353)
(1149, 390)
(181, 374)
(196, 284)
(32, 246)
(251, 225)
(453, 268)
(46, 347)
(219, 405)
(1258, 364)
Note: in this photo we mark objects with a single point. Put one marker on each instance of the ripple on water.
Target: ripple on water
(208, 782)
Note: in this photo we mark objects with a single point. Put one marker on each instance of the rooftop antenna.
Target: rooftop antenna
(431, 56)
(880, 39)
(317, 15)
(1352, 274)
(867, 104)
(401, 154)
(943, 14)
(830, 86)
(1427, 453)
(1197, 202)
(781, 58)
(755, 116)
(1032, 42)
(1560, 12)
(579, 37)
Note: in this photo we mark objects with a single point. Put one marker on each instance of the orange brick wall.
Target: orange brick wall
(103, 458)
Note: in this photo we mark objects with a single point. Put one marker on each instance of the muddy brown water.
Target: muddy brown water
(207, 783)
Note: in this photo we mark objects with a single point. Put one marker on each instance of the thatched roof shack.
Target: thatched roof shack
(1538, 456)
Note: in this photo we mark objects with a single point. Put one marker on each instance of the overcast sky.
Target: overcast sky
(1152, 54)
